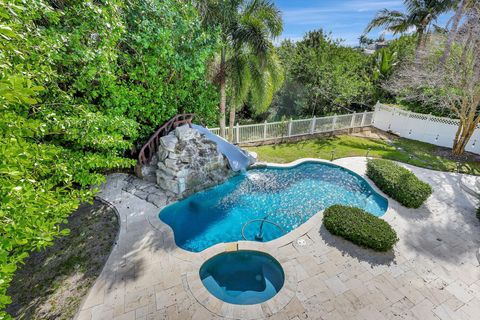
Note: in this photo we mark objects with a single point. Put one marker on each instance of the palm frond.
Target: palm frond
(240, 80)
(392, 20)
(413, 5)
(268, 13)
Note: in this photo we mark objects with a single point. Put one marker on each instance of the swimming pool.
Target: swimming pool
(265, 203)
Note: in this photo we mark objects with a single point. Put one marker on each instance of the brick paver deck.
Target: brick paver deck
(433, 272)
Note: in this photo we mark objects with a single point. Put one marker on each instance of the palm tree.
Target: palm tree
(364, 41)
(420, 14)
(254, 79)
(247, 55)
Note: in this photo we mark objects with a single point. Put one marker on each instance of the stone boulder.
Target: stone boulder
(168, 142)
(188, 162)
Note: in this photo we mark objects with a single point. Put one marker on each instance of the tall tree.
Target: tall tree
(254, 68)
(462, 7)
(335, 78)
(456, 86)
(246, 61)
(420, 14)
(222, 15)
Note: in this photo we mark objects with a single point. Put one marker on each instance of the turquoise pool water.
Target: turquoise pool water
(242, 277)
(283, 197)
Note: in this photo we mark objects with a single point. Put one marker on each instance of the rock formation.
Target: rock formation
(188, 162)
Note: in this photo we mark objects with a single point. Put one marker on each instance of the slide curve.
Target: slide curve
(237, 158)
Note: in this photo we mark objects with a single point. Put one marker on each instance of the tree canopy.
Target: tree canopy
(323, 77)
(82, 83)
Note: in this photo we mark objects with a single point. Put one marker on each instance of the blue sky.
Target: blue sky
(346, 19)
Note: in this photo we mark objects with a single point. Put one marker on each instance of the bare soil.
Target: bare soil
(53, 282)
(466, 157)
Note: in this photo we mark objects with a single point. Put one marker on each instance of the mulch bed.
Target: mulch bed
(53, 282)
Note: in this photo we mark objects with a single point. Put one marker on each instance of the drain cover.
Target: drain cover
(301, 242)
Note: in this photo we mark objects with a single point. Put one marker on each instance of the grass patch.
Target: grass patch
(398, 182)
(359, 227)
(416, 153)
(52, 283)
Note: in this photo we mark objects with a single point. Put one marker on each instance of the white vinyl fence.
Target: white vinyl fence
(294, 128)
(422, 127)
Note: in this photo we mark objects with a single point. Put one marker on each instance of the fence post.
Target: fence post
(237, 133)
(425, 135)
(265, 130)
(364, 115)
(312, 127)
(352, 123)
(334, 121)
(290, 127)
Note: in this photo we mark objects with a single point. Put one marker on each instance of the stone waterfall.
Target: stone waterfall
(188, 162)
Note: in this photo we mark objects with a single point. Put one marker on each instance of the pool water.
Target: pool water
(284, 198)
(242, 277)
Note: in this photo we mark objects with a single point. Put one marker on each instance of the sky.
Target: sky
(346, 19)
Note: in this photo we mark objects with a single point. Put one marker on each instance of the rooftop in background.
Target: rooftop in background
(345, 19)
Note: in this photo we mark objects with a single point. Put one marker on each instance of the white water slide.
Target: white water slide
(238, 159)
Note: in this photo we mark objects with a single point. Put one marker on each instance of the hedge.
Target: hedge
(398, 182)
(359, 227)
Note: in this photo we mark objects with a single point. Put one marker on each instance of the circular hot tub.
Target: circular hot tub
(242, 277)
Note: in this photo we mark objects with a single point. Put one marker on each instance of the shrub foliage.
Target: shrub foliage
(360, 227)
(80, 83)
(398, 182)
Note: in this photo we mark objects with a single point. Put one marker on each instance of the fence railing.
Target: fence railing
(422, 127)
(295, 128)
(439, 131)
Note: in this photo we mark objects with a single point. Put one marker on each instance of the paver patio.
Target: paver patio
(433, 273)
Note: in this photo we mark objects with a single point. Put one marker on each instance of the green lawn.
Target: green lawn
(409, 151)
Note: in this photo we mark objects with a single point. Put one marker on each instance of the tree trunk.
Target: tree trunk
(231, 121)
(452, 33)
(419, 47)
(464, 133)
(420, 42)
(223, 93)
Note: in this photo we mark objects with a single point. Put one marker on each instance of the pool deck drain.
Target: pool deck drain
(148, 277)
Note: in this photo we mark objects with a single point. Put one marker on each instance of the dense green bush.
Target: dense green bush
(80, 83)
(398, 182)
(360, 227)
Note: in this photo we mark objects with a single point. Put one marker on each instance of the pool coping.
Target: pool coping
(286, 294)
(144, 275)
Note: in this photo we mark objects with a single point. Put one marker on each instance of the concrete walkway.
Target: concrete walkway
(433, 273)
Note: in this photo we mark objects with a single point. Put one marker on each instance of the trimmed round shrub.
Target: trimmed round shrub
(398, 182)
(359, 227)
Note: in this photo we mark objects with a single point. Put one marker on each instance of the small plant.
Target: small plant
(360, 227)
(398, 182)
